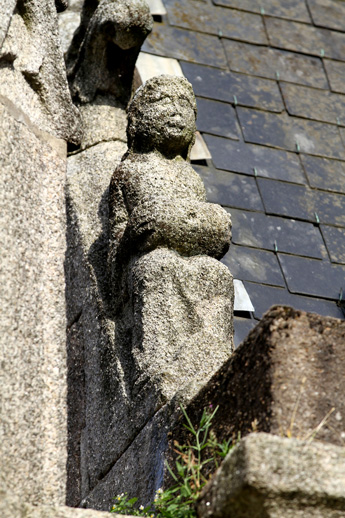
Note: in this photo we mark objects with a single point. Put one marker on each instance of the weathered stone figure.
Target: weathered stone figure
(104, 50)
(173, 299)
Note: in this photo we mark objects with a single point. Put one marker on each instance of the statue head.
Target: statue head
(161, 116)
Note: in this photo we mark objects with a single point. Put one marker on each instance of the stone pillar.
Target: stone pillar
(37, 118)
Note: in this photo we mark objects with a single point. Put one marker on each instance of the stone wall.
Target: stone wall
(37, 118)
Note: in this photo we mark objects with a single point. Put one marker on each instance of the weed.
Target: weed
(178, 501)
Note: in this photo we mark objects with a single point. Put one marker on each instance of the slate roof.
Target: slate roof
(269, 77)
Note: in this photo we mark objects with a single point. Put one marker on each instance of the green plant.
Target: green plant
(123, 505)
(178, 501)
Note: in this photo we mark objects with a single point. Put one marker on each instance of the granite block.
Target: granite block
(257, 230)
(335, 241)
(268, 476)
(217, 118)
(291, 133)
(325, 174)
(328, 13)
(305, 38)
(287, 199)
(330, 208)
(248, 264)
(214, 20)
(186, 45)
(263, 297)
(284, 379)
(312, 277)
(290, 9)
(230, 87)
(230, 189)
(336, 73)
(273, 63)
(311, 103)
(247, 158)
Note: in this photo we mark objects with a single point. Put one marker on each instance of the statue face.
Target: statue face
(169, 121)
(162, 116)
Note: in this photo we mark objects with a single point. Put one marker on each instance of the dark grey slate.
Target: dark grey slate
(272, 63)
(300, 37)
(335, 73)
(242, 326)
(324, 174)
(328, 13)
(263, 297)
(186, 45)
(290, 9)
(230, 189)
(209, 18)
(217, 118)
(248, 264)
(312, 103)
(291, 133)
(234, 88)
(330, 208)
(335, 241)
(312, 277)
(287, 199)
(248, 158)
(261, 231)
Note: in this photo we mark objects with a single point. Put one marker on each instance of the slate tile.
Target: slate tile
(312, 277)
(263, 297)
(304, 38)
(242, 327)
(266, 62)
(230, 189)
(209, 18)
(248, 264)
(223, 86)
(217, 118)
(330, 208)
(335, 241)
(311, 103)
(282, 131)
(243, 158)
(328, 13)
(258, 230)
(336, 73)
(287, 199)
(290, 9)
(325, 174)
(185, 45)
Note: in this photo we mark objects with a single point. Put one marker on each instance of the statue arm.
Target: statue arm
(189, 226)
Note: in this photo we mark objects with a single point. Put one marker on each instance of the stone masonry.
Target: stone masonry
(37, 118)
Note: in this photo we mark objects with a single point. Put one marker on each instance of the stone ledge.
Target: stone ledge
(12, 507)
(267, 476)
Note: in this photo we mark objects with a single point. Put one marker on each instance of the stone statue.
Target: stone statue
(102, 56)
(173, 298)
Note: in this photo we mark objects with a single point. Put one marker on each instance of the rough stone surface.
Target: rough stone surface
(32, 322)
(140, 468)
(104, 49)
(101, 63)
(158, 332)
(69, 21)
(32, 70)
(285, 378)
(12, 506)
(113, 117)
(271, 477)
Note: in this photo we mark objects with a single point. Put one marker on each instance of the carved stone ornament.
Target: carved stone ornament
(173, 299)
